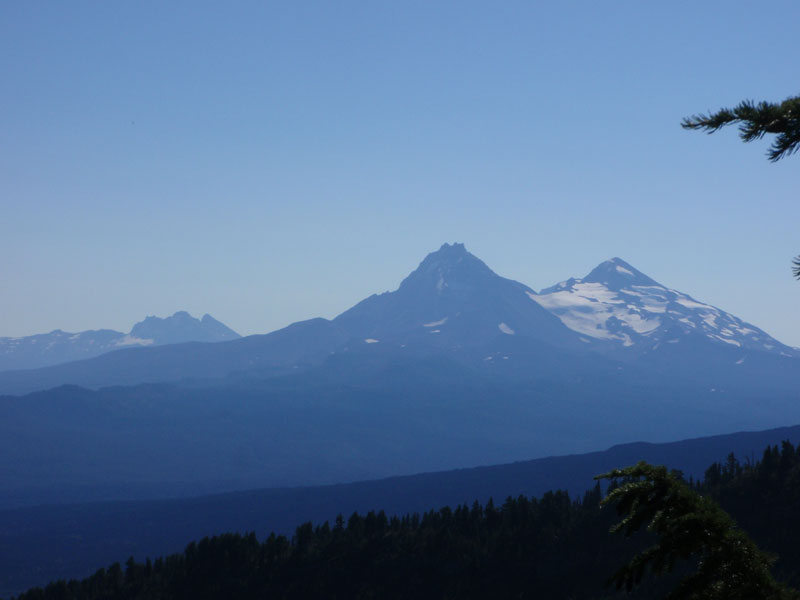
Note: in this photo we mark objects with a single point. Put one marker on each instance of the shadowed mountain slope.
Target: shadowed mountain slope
(453, 299)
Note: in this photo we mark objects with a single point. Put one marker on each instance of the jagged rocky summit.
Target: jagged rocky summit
(58, 346)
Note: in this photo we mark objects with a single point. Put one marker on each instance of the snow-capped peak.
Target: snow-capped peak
(618, 303)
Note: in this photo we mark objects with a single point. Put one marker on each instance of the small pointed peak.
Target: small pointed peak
(450, 254)
(454, 248)
(620, 266)
(617, 274)
(450, 263)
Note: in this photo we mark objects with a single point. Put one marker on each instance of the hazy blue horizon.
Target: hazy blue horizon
(267, 164)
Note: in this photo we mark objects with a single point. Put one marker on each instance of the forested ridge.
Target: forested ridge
(551, 547)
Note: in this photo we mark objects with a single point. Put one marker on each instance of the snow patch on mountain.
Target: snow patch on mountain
(505, 329)
(130, 340)
(435, 323)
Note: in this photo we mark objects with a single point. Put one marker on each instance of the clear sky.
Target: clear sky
(268, 162)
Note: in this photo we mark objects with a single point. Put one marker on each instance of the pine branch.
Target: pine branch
(730, 566)
(755, 121)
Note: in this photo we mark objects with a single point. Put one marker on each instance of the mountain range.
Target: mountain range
(453, 306)
(45, 349)
(458, 367)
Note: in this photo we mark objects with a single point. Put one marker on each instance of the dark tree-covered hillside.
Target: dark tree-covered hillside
(550, 547)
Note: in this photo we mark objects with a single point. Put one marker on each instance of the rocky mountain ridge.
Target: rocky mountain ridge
(45, 349)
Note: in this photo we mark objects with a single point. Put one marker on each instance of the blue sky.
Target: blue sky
(271, 162)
